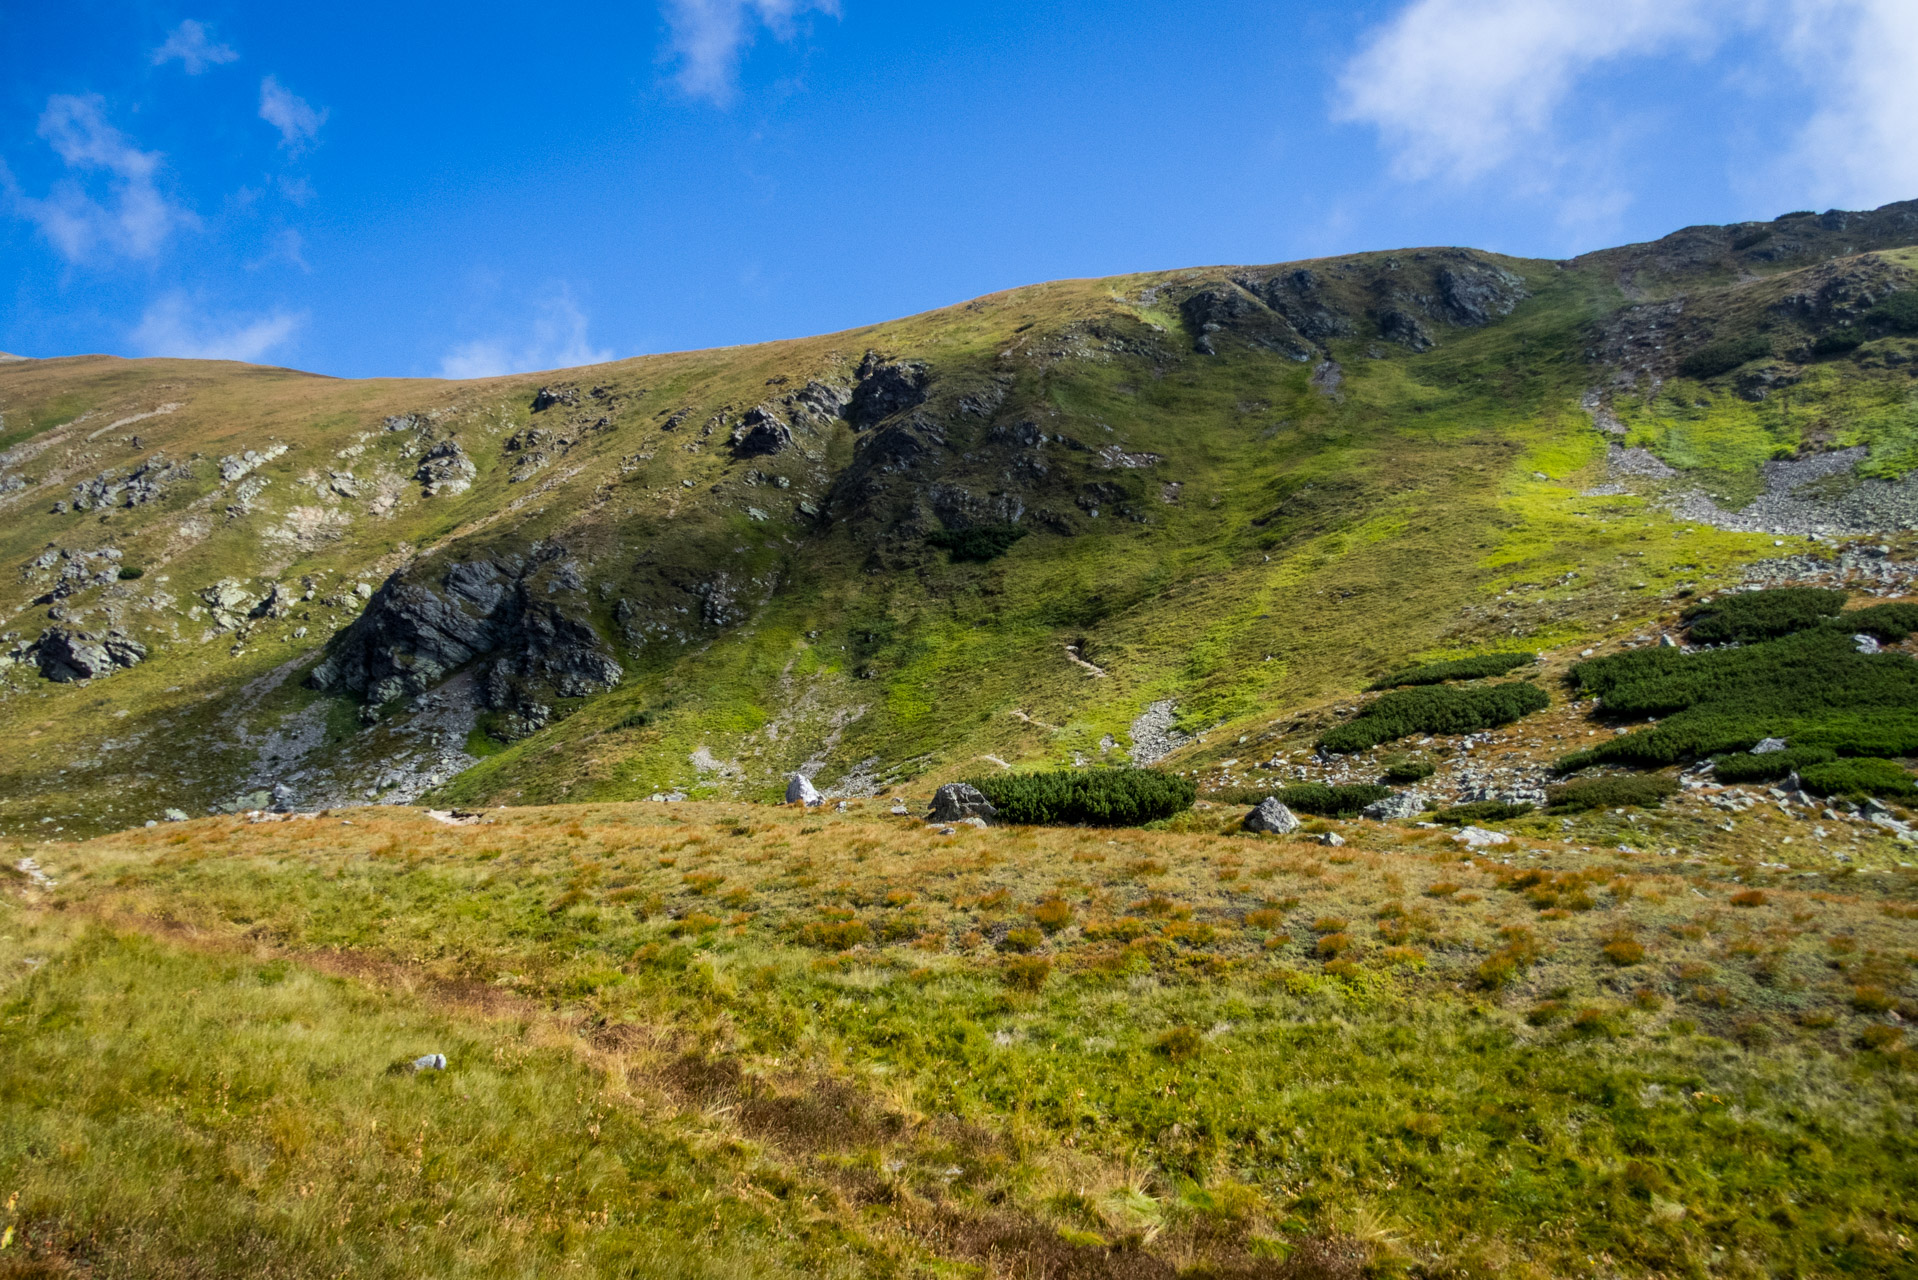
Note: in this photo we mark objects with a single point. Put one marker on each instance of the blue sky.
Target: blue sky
(474, 188)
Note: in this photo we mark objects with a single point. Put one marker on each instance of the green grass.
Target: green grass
(644, 1067)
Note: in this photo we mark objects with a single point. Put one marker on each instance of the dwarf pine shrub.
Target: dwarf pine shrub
(1321, 800)
(1460, 815)
(1858, 778)
(1745, 767)
(1436, 709)
(1406, 769)
(1761, 615)
(1476, 667)
(985, 542)
(1646, 791)
(1811, 687)
(1888, 622)
(1095, 797)
(1723, 356)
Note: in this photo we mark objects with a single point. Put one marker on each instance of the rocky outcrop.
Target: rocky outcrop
(1472, 293)
(151, 481)
(507, 610)
(445, 470)
(885, 388)
(64, 655)
(761, 433)
(957, 801)
(1396, 807)
(1227, 308)
(1271, 818)
(547, 397)
(238, 466)
(800, 790)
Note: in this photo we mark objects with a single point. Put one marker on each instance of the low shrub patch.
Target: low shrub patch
(1837, 341)
(1405, 769)
(985, 542)
(1436, 709)
(1319, 799)
(1761, 615)
(1646, 791)
(1723, 356)
(1887, 622)
(1096, 797)
(1811, 688)
(1476, 667)
(1857, 778)
(1745, 767)
(1898, 312)
(1460, 815)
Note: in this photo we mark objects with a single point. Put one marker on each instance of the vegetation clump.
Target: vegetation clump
(1857, 779)
(1476, 667)
(1768, 766)
(1320, 799)
(1643, 791)
(1761, 615)
(1888, 622)
(1811, 687)
(1405, 770)
(1095, 797)
(980, 543)
(1898, 312)
(1460, 815)
(1724, 355)
(1436, 709)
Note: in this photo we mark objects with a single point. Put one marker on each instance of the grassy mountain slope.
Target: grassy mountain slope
(1244, 491)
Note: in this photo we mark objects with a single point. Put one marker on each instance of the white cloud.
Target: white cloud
(293, 116)
(193, 47)
(557, 341)
(1456, 87)
(1860, 147)
(171, 327)
(133, 220)
(1464, 89)
(709, 36)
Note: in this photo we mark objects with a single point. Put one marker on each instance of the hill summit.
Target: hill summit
(1144, 518)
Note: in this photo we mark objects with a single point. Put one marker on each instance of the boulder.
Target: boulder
(1333, 839)
(957, 801)
(761, 433)
(800, 790)
(1865, 644)
(64, 656)
(1768, 746)
(445, 470)
(1479, 837)
(1398, 805)
(1271, 818)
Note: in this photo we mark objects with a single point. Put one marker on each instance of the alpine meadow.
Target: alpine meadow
(1392, 765)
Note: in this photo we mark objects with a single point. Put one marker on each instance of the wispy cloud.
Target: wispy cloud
(556, 340)
(133, 219)
(194, 48)
(292, 115)
(708, 37)
(1462, 90)
(1860, 146)
(1457, 87)
(173, 326)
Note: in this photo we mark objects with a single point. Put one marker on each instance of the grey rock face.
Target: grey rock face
(1477, 293)
(886, 387)
(1229, 309)
(230, 603)
(957, 801)
(148, 482)
(800, 790)
(761, 433)
(413, 634)
(64, 655)
(445, 470)
(550, 396)
(237, 466)
(1396, 807)
(1271, 818)
(1767, 746)
(1401, 326)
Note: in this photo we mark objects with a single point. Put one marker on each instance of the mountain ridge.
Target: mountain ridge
(703, 571)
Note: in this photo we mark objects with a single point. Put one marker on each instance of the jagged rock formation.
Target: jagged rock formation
(64, 655)
(414, 633)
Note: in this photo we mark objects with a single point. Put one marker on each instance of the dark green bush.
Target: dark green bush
(129, 572)
(986, 542)
(1319, 799)
(1837, 341)
(1472, 668)
(1745, 767)
(1436, 709)
(1646, 791)
(1405, 769)
(1096, 797)
(1761, 615)
(1460, 815)
(1888, 622)
(1811, 688)
(1899, 311)
(1750, 239)
(1723, 356)
(1858, 778)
